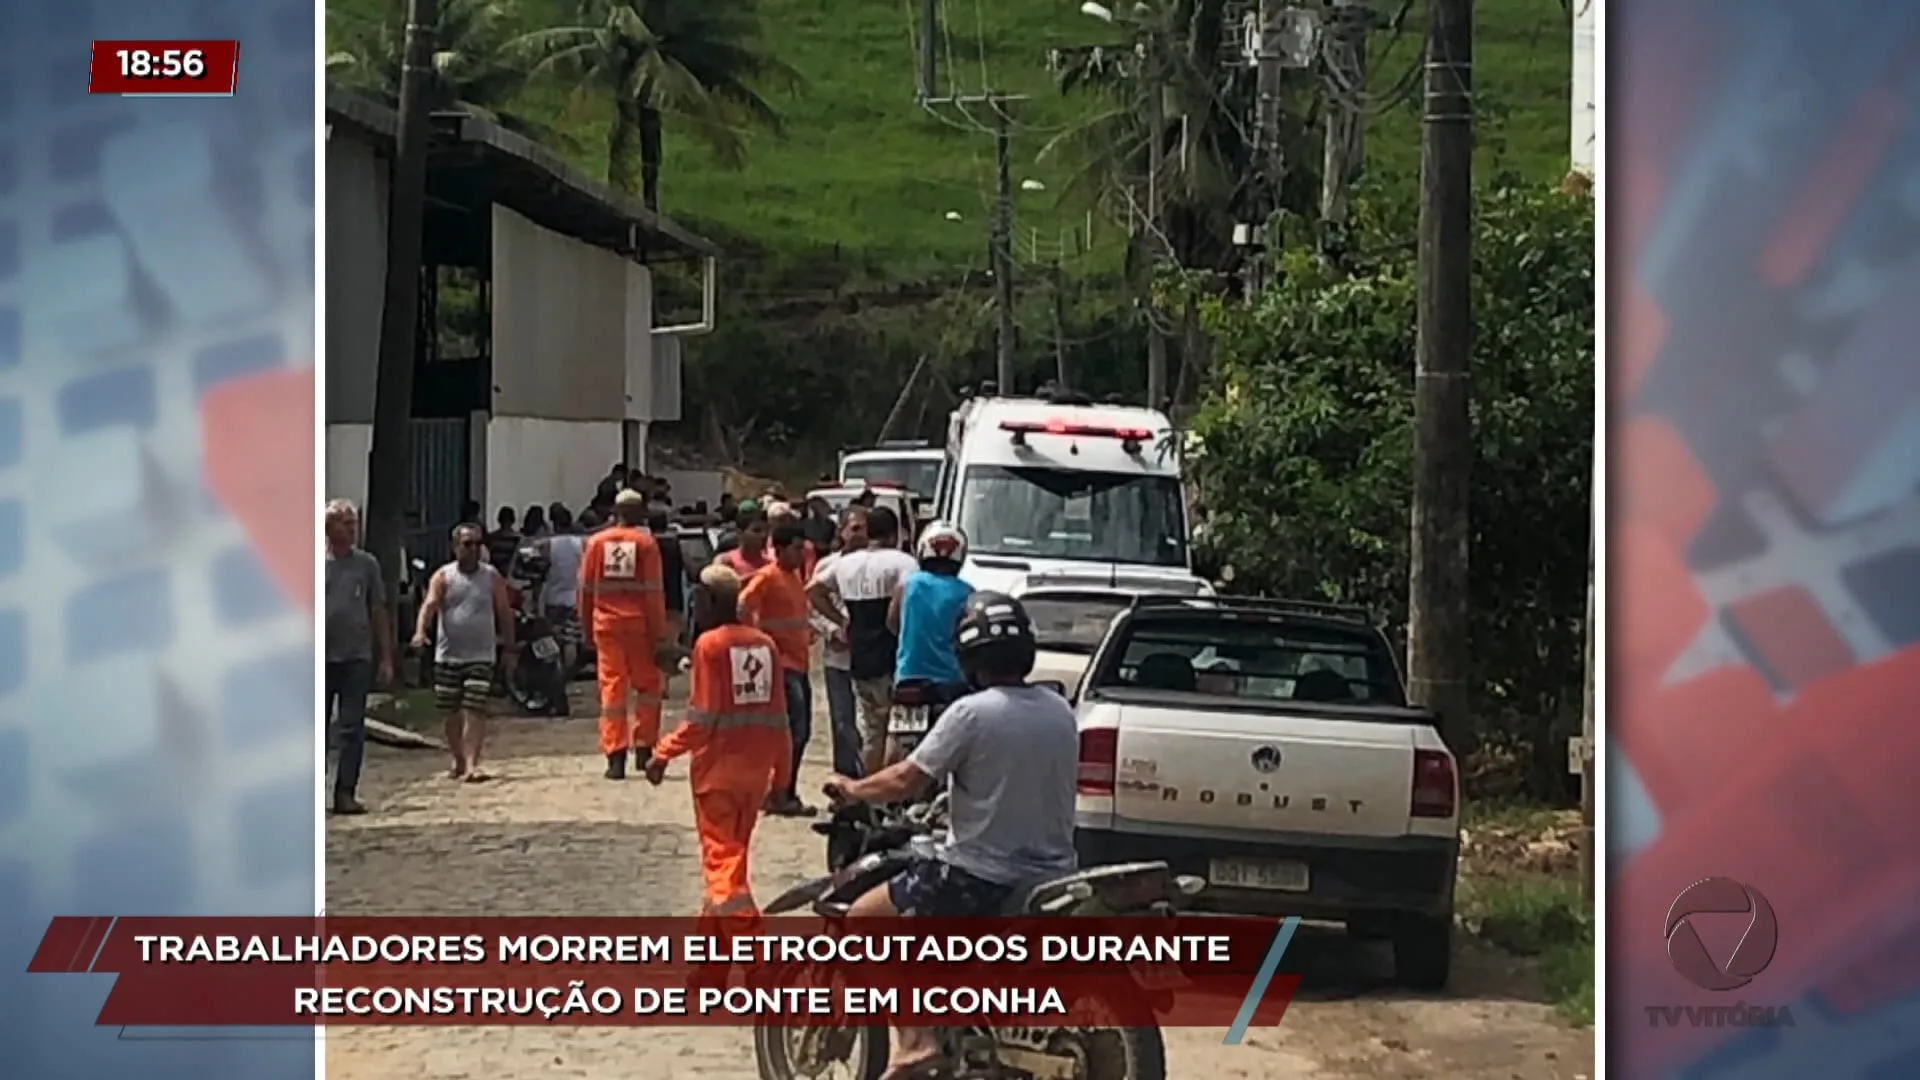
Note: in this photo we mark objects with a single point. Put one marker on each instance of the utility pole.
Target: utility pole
(1345, 145)
(1268, 154)
(1003, 243)
(1155, 86)
(1585, 749)
(389, 471)
(1438, 652)
(929, 50)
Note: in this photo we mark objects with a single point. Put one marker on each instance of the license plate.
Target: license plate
(1270, 874)
(546, 648)
(907, 720)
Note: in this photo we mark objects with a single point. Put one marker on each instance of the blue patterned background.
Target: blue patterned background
(156, 688)
(1763, 185)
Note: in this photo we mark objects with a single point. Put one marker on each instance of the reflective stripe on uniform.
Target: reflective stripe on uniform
(737, 904)
(737, 719)
(624, 585)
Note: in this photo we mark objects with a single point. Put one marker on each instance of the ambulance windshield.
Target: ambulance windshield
(1044, 513)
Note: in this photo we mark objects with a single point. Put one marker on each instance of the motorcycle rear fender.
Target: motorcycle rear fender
(800, 895)
(857, 879)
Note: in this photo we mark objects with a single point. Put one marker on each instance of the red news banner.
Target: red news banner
(164, 68)
(792, 971)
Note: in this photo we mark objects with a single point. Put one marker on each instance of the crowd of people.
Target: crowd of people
(745, 632)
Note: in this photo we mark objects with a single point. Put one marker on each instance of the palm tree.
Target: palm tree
(471, 74)
(701, 62)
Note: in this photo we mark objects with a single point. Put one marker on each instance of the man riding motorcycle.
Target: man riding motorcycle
(925, 607)
(1010, 754)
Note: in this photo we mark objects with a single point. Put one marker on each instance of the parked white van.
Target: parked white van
(1061, 489)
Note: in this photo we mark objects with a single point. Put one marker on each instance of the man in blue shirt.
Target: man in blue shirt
(926, 607)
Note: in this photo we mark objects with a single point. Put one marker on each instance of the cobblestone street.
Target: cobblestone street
(549, 836)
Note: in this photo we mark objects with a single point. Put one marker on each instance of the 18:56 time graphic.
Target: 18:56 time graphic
(166, 68)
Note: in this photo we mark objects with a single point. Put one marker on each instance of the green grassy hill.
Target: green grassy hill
(865, 178)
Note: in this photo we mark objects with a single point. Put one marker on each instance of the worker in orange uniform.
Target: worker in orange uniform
(736, 735)
(775, 600)
(624, 602)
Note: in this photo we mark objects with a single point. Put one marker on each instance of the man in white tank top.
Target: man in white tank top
(468, 606)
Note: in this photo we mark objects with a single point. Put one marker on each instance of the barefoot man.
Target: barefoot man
(467, 603)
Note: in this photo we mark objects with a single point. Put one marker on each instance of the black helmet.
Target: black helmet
(994, 637)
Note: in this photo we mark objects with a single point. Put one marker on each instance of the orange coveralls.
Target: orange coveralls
(736, 732)
(775, 600)
(625, 604)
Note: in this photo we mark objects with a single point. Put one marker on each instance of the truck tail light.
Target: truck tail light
(1099, 752)
(1433, 783)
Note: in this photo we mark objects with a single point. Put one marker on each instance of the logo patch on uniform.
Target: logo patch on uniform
(620, 559)
(752, 674)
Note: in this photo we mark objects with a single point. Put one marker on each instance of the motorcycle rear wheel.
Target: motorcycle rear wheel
(819, 1053)
(1114, 1053)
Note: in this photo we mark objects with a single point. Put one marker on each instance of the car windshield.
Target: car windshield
(1260, 659)
(1072, 623)
(918, 475)
(1048, 513)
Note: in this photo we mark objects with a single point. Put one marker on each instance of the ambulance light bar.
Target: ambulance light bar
(1022, 428)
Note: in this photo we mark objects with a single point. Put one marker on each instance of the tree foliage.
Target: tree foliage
(470, 72)
(1305, 443)
(703, 63)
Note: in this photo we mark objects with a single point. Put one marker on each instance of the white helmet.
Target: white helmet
(941, 540)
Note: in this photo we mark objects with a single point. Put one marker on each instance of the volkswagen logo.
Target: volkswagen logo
(1266, 759)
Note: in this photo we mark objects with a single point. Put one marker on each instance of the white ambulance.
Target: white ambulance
(1059, 492)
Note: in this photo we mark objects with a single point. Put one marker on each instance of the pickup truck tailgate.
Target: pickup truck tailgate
(1262, 772)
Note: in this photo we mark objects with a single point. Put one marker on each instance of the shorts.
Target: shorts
(462, 686)
(873, 708)
(565, 622)
(941, 890)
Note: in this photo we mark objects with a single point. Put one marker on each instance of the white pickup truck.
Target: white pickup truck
(1266, 746)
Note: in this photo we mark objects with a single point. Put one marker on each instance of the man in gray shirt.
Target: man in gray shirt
(1010, 753)
(359, 649)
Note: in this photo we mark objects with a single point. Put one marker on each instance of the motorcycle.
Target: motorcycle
(538, 682)
(899, 838)
(857, 829)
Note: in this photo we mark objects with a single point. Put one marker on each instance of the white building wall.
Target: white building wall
(531, 460)
(639, 343)
(560, 324)
(573, 380)
(347, 448)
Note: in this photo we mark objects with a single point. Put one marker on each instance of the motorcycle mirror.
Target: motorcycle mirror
(1054, 685)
